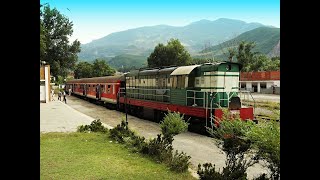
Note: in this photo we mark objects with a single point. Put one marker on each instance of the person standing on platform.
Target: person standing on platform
(59, 96)
(64, 97)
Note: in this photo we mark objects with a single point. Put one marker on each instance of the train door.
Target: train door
(85, 89)
(98, 91)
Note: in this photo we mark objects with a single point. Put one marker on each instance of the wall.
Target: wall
(45, 88)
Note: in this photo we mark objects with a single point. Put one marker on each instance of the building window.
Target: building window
(202, 80)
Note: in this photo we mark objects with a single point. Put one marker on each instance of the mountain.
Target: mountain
(266, 39)
(142, 40)
(275, 51)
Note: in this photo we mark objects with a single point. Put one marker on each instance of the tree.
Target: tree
(245, 56)
(171, 54)
(42, 42)
(55, 48)
(101, 68)
(83, 70)
(200, 60)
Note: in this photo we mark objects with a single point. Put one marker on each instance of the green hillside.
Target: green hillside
(266, 38)
(128, 60)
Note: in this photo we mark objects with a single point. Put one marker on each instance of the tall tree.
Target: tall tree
(173, 53)
(101, 68)
(58, 52)
(245, 56)
(83, 70)
(42, 42)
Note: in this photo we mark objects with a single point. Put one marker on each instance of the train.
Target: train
(199, 92)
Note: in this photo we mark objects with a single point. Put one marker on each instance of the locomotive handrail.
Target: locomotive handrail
(194, 97)
(154, 94)
(248, 92)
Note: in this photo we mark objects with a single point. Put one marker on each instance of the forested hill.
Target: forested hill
(128, 60)
(267, 41)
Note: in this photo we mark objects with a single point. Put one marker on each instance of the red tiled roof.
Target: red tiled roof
(258, 76)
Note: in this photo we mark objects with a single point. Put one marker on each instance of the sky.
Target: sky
(94, 19)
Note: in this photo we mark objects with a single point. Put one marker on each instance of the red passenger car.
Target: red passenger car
(99, 88)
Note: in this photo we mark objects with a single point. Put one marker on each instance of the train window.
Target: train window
(102, 88)
(109, 87)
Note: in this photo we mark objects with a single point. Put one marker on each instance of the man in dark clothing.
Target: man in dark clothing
(64, 97)
(59, 96)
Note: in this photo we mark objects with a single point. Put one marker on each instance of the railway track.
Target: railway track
(267, 118)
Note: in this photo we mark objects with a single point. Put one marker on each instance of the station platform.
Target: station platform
(56, 116)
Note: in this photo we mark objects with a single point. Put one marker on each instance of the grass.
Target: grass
(96, 156)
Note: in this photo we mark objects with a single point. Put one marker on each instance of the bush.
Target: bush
(265, 137)
(237, 137)
(230, 132)
(173, 124)
(262, 177)
(136, 143)
(180, 162)
(232, 135)
(208, 172)
(120, 132)
(160, 149)
(95, 126)
(228, 173)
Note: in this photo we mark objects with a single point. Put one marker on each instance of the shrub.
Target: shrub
(160, 149)
(262, 177)
(265, 137)
(180, 162)
(230, 132)
(173, 124)
(83, 128)
(120, 132)
(228, 173)
(95, 126)
(208, 172)
(136, 143)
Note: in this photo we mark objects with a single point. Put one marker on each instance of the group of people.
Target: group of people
(60, 94)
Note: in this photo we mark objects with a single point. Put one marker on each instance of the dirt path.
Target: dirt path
(201, 148)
